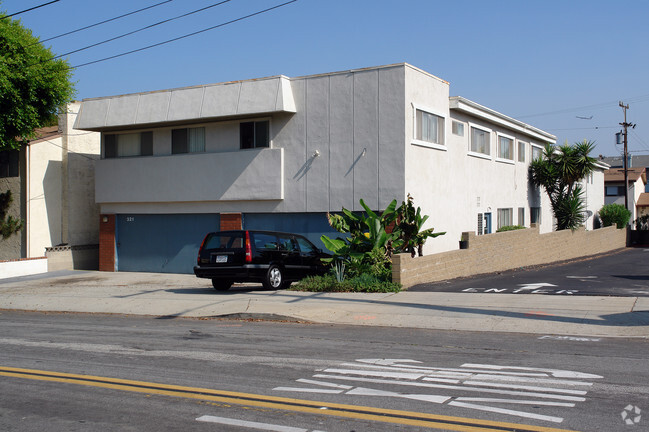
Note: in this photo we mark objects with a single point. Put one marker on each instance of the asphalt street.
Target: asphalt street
(623, 273)
(95, 372)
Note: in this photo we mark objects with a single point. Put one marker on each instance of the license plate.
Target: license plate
(221, 259)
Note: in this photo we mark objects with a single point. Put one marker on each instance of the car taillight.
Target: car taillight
(200, 249)
(248, 248)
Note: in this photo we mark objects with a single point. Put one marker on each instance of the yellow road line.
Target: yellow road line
(301, 405)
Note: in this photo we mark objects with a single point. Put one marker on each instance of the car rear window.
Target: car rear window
(224, 241)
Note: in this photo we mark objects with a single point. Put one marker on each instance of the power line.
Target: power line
(105, 21)
(186, 35)
(636, 99)
(141, 29)
(30, 9)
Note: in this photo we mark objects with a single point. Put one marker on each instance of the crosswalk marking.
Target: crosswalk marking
(467, 386)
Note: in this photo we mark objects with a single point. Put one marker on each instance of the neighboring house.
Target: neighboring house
(279, 153)
(635, 161)
(642, 205)
(52, 183)
(614, 187)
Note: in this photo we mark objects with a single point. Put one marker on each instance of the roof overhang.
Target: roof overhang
(471, 108)
(188, 105)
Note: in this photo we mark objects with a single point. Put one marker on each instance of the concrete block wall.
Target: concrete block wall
(505, 251)
(84, 257)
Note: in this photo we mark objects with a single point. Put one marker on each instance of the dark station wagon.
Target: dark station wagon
(273, 258)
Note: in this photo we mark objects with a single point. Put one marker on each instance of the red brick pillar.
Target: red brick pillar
(107, 243)
(230, 221)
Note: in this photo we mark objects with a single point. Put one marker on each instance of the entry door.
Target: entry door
(487, 223)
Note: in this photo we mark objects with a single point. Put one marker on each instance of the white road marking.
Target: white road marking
(507, 411)
(554, 372)
(513, 385)
(249, 424)
(515, 401)
(532, 286)
(448, 371)
(521, 387)
(324, 384)
(386, 374)
(452, 387)
(571, 338)
(361, 391)
(487, 377)
(309, 390)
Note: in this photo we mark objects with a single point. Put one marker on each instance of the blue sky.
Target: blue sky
(543, 62)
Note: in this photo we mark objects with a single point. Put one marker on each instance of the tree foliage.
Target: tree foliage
(33, 85)
(559, 170)
(8, 224)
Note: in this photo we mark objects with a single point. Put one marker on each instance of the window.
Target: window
(521, 216)
(305, 246)
(614, 190)
(537, 152)
(130, 144)
(480, 224)
(457, 128)
(535, 215)
(254, 134)
(504, 217)
(429, 127)
(480, 140)
(9, 163)
(522, 150)
(188, 140)
(505, 147)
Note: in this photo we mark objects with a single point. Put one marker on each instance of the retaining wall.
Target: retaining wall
(505, 251)
(22, 267)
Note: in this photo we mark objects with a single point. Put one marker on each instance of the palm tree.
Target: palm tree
(559, 170)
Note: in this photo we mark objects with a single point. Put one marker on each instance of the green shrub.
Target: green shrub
(614, 214)
(510, 228)
(361, 283)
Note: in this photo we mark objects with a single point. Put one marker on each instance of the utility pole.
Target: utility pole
(625, 125)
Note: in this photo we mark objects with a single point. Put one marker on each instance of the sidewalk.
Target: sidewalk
(173, 295)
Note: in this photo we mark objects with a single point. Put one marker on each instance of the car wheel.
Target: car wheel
(274, 278)
(221, 284)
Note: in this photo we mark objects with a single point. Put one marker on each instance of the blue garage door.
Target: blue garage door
(161, 243)
(310, 225)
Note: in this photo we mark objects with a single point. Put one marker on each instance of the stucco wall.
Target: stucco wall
(452, 185)
(45, 210)
(80, 153)
(505, 251)
(344, 143)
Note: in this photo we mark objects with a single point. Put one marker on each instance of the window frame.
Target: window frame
(535, 146)
(185, 147)
(460, 126)
(145, 145)
(499, 222)
(10, 163)
(512, 141)
(441, 128)
(524, 145)
(254, 130)
(476, 153)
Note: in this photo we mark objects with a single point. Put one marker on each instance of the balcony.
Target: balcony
(245, 175)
